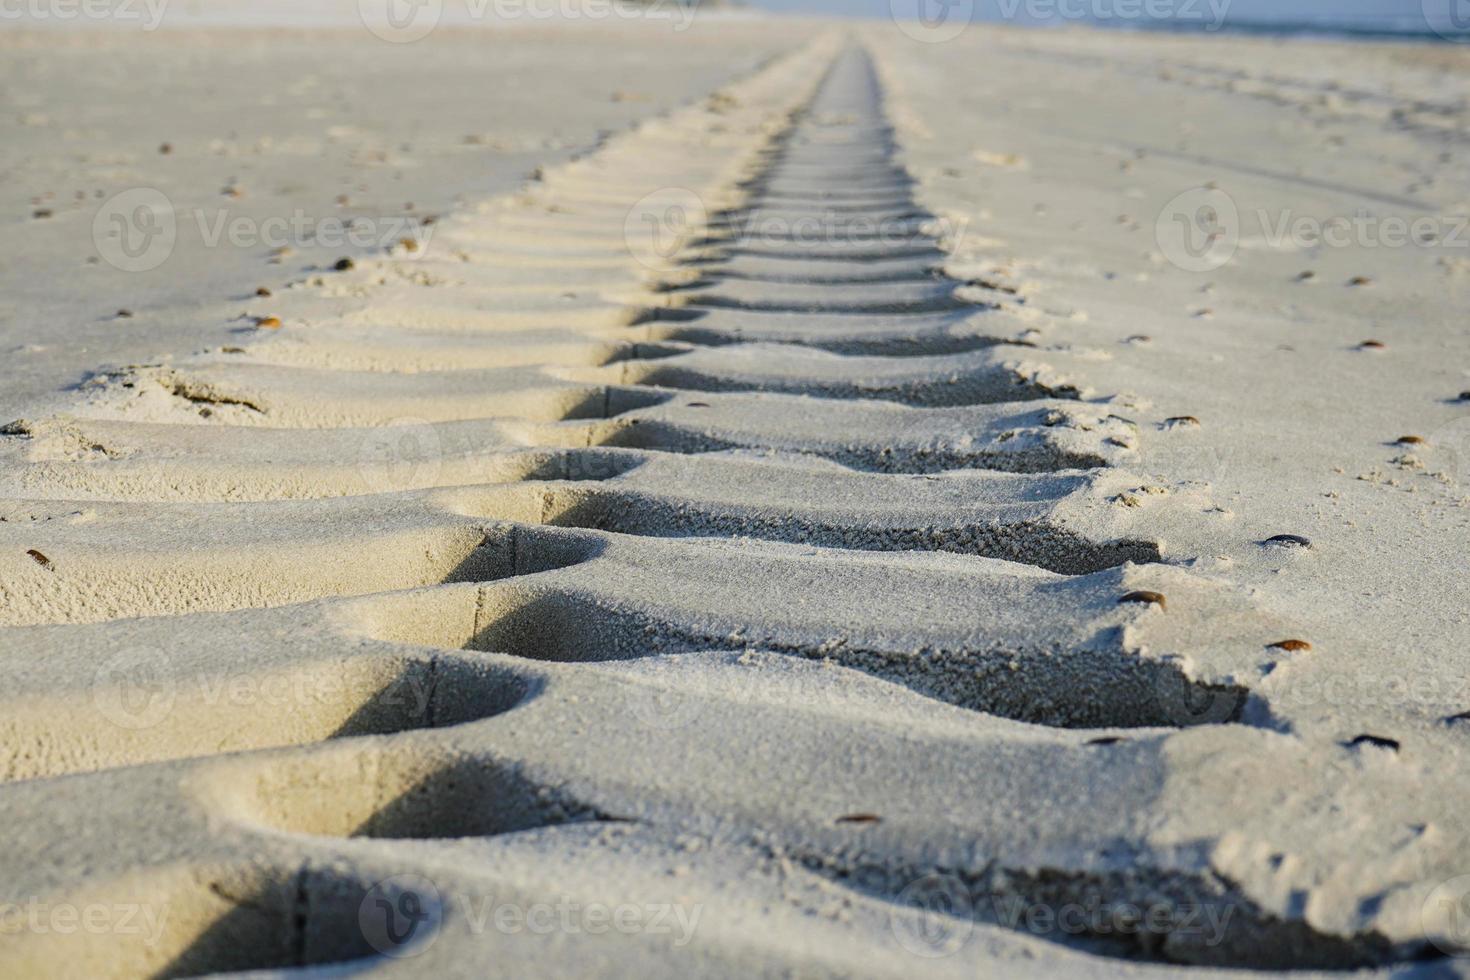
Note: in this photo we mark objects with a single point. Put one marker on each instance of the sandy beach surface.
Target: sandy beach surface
(731, 496)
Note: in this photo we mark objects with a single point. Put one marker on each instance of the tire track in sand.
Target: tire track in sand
(671, 490)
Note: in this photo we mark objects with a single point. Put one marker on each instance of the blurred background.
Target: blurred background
(1429, 19)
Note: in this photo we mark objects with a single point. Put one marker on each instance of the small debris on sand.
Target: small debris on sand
(1288, 541)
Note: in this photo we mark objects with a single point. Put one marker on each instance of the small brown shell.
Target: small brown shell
(268, 322)
(1360, 281)
(1147, 597)
(344, 265)
(262, 291)
(1372, 345)
(40, 559)
(1410, 440)
(1291, 646)
(860, 818)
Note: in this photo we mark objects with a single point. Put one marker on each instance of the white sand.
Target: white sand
(616, 579)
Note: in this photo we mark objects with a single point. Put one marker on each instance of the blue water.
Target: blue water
(1430, 20)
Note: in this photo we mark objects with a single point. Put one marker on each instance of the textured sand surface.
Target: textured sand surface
(821, 529)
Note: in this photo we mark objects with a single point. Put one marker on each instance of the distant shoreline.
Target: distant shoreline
(1296, 30)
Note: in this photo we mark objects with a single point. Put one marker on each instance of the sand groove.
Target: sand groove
(783, 457)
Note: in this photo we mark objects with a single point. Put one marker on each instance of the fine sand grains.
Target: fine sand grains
(692, 533)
